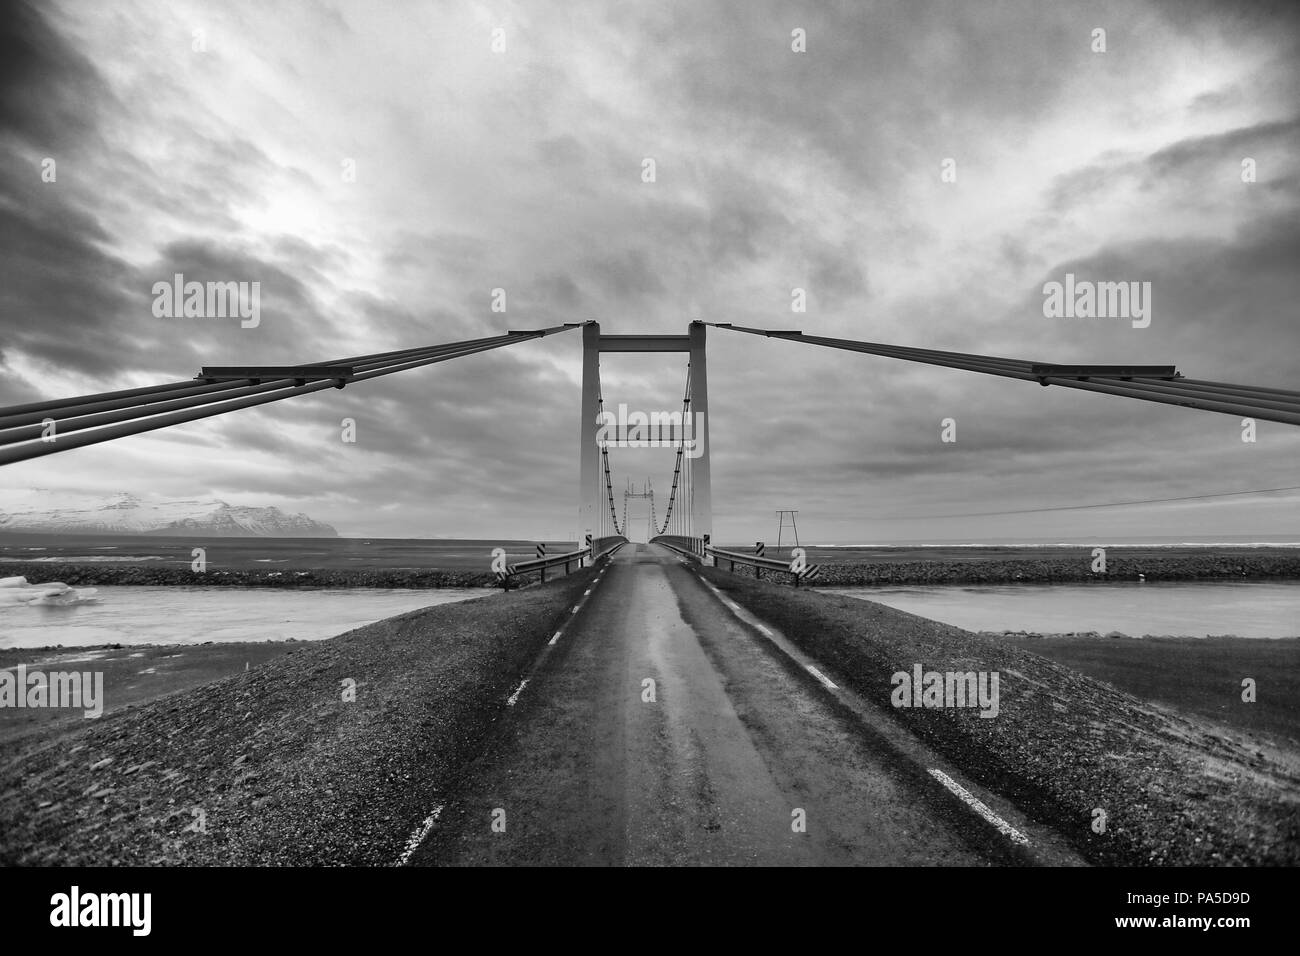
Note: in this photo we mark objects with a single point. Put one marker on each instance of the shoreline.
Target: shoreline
(1121, 567)
(134, 674)
(143, 575)
(1200, 676)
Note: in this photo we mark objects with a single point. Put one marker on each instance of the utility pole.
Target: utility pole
(781, 528)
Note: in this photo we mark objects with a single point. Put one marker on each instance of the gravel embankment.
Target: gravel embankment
(1176, 790)
(1120, 567)
(1055, 571)
(282, 768)
(143, 575)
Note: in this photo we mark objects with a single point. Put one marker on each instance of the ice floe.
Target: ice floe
(17, 591)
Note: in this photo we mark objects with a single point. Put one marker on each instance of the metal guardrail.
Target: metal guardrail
(595, 551)
(698, 549)
(692, 548)
(733, 558)
(603, 547)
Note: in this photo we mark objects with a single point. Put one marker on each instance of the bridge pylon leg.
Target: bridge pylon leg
(702, 495)
(588, 450)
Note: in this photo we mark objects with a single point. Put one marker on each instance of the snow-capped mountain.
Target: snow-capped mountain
(60, 513)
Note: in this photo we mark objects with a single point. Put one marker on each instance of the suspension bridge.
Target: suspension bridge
(42, 428)
(663, 722)
(36, 429)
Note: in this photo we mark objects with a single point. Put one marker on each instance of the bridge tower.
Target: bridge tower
(590, 503)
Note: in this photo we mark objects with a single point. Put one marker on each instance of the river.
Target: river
(1262, 609)
(192, 615)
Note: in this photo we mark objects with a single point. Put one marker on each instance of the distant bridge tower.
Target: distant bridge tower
(591, 497)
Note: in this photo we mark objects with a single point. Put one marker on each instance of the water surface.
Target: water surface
(192, 615)
(1194, 608)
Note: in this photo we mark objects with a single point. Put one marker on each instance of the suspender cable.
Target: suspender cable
(677, 465)
(609, 485)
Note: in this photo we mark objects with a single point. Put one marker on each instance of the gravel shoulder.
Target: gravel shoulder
(273, 766)
(1076, 569)
(1195, 675)
(132, 675)
(1176, 789)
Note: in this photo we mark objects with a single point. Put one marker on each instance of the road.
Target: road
(735, 754)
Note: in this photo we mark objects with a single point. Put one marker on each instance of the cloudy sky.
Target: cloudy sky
(521, 168)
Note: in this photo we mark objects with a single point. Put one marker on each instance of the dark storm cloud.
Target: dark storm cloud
(290, 308)
(50, 94)
(1219, 307)
(1204, 163)
(560, 289)
(1270, 18)
(66, 298)
(836, 273)
(63, 295)
(629, 274)
(740, 225)
(60, 287)
(1230, 145)
(876, 79)
(454, 251)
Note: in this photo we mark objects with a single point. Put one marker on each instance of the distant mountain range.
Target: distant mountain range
(43, 512)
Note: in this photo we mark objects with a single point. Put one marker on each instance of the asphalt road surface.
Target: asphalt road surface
(735, 755)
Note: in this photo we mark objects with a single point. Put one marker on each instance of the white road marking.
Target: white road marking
(730, 604)
(826, 681)
(1006, 829)
(575, 608)
(586, 592)
(555, 638)
(418, 836)
(749, 619)
(518, 690)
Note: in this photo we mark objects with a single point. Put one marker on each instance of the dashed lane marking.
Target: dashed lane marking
(956, 789)
(420, 833)
(518, 690)
(1006, 829)
(826, 681)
